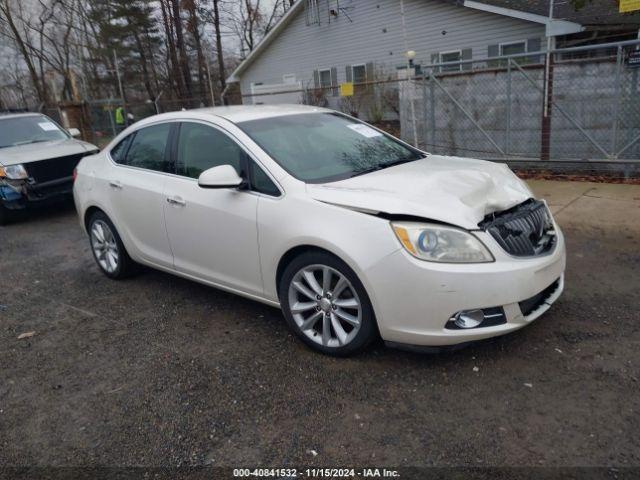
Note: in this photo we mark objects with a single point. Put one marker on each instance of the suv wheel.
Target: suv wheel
(5, 214)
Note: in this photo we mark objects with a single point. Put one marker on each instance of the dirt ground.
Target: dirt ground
(161, 371)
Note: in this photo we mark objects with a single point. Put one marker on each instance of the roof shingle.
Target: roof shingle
(595, 13)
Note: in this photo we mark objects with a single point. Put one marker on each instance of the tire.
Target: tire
(335, 318)
(107, 248)
(5, 215)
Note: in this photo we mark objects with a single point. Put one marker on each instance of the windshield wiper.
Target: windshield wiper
(28, 142)
(382, 167)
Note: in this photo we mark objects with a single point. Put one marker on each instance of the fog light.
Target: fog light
(469, 318)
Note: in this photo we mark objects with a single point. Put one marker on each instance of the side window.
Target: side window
(201, 147)
(260, 181)
(148, 147)
(120, 150)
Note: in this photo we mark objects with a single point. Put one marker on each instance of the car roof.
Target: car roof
(237, 113)
(243, 113)
(16, 115)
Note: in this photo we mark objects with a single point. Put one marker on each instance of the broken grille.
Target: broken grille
(54, 168)
(523, 231)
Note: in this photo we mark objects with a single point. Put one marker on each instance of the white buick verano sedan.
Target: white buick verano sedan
(353, 233)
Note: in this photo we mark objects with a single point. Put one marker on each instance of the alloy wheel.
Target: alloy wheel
(105, 247)
(325, 306)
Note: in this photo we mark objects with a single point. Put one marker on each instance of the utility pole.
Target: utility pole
(124, 106)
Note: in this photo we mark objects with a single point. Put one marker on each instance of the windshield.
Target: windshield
(324, 147)
(32, 129)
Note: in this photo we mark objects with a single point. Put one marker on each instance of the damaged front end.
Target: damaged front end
(12, 184)
(38, 181)
(526, 230)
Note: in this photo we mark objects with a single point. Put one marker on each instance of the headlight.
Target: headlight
(13, 172)
(437, 243)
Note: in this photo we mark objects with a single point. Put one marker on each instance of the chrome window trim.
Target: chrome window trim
(209, 124)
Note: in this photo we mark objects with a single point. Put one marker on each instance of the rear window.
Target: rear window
(145, 148)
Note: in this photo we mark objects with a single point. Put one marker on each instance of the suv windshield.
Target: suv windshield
(31, 129)
(324, 147)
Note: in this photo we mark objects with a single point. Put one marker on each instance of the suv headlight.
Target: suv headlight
(438, 243)
(14, 172)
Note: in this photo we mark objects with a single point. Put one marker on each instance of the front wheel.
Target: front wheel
(326, 305)
(108, 249)
(5, 215)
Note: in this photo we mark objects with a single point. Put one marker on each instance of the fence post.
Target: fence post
(507, 142)
(616, 108)
(111, 120)
(545, 141)
(425, 125)
(432, 110)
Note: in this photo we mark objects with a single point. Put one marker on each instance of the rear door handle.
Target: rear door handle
(176, 201)
(115, 184)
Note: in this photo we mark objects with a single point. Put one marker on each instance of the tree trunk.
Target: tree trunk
(184, 60)
(194, 25)
(6, 10)
(220, 54)
(171, 47)
(146, 79)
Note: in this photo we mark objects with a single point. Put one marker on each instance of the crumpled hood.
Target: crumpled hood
(33, 152)
(454, 190)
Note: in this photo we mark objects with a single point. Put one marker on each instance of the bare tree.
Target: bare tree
(7, 17)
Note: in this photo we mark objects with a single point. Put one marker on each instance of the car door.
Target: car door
(213, 232)
(135, 185)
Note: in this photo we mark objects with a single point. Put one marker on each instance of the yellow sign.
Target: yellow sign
(629, 5)
(346, 89)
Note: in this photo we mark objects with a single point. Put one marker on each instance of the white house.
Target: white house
(323, 43)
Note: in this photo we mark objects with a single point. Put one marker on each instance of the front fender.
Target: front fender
(359, 239)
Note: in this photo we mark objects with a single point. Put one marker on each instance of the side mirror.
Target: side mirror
(223, 176)
(74, 132)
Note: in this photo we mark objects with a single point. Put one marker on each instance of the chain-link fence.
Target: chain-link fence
(531, 108)
(574, 108)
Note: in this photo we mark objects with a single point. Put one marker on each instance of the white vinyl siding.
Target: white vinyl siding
(375, 36)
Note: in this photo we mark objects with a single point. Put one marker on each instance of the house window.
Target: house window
(325, 78)
(289, 78)
(513, 48)
(453, 56)
(359, 75)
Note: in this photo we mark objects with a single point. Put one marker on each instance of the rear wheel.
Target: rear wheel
(108, 249)
(326, 305)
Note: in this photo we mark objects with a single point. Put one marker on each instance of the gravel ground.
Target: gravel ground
(161, 371)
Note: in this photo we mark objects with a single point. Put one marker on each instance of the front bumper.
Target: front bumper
(414, 299)
(18, 195)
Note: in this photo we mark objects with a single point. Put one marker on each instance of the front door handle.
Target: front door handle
(176, 201)
(115, 184)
